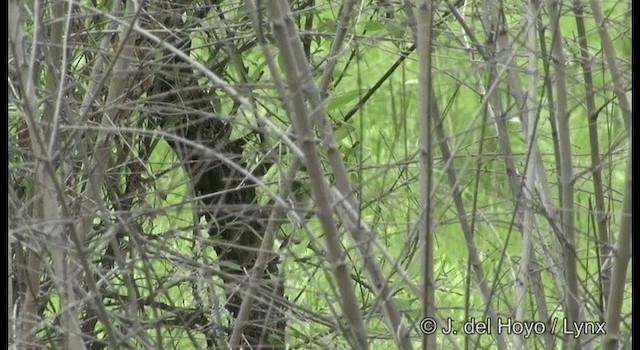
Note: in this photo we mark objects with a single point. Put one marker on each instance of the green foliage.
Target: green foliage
(379, 144)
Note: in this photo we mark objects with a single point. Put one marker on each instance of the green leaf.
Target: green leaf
(341, 134)
(262, 63)
(230, 265)
(342, 100)
(373, 26)
(354, 178)
(275, 340)
(281, 65)
(405, 304)
(329, 26)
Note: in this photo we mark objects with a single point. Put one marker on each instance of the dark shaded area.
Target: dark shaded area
(228, 197)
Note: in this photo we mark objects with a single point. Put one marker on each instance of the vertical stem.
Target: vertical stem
(610, 56)
(424, 19)
(337, 256)
(572, 305)
(526, 199)
(620, 265)
(600, 211)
